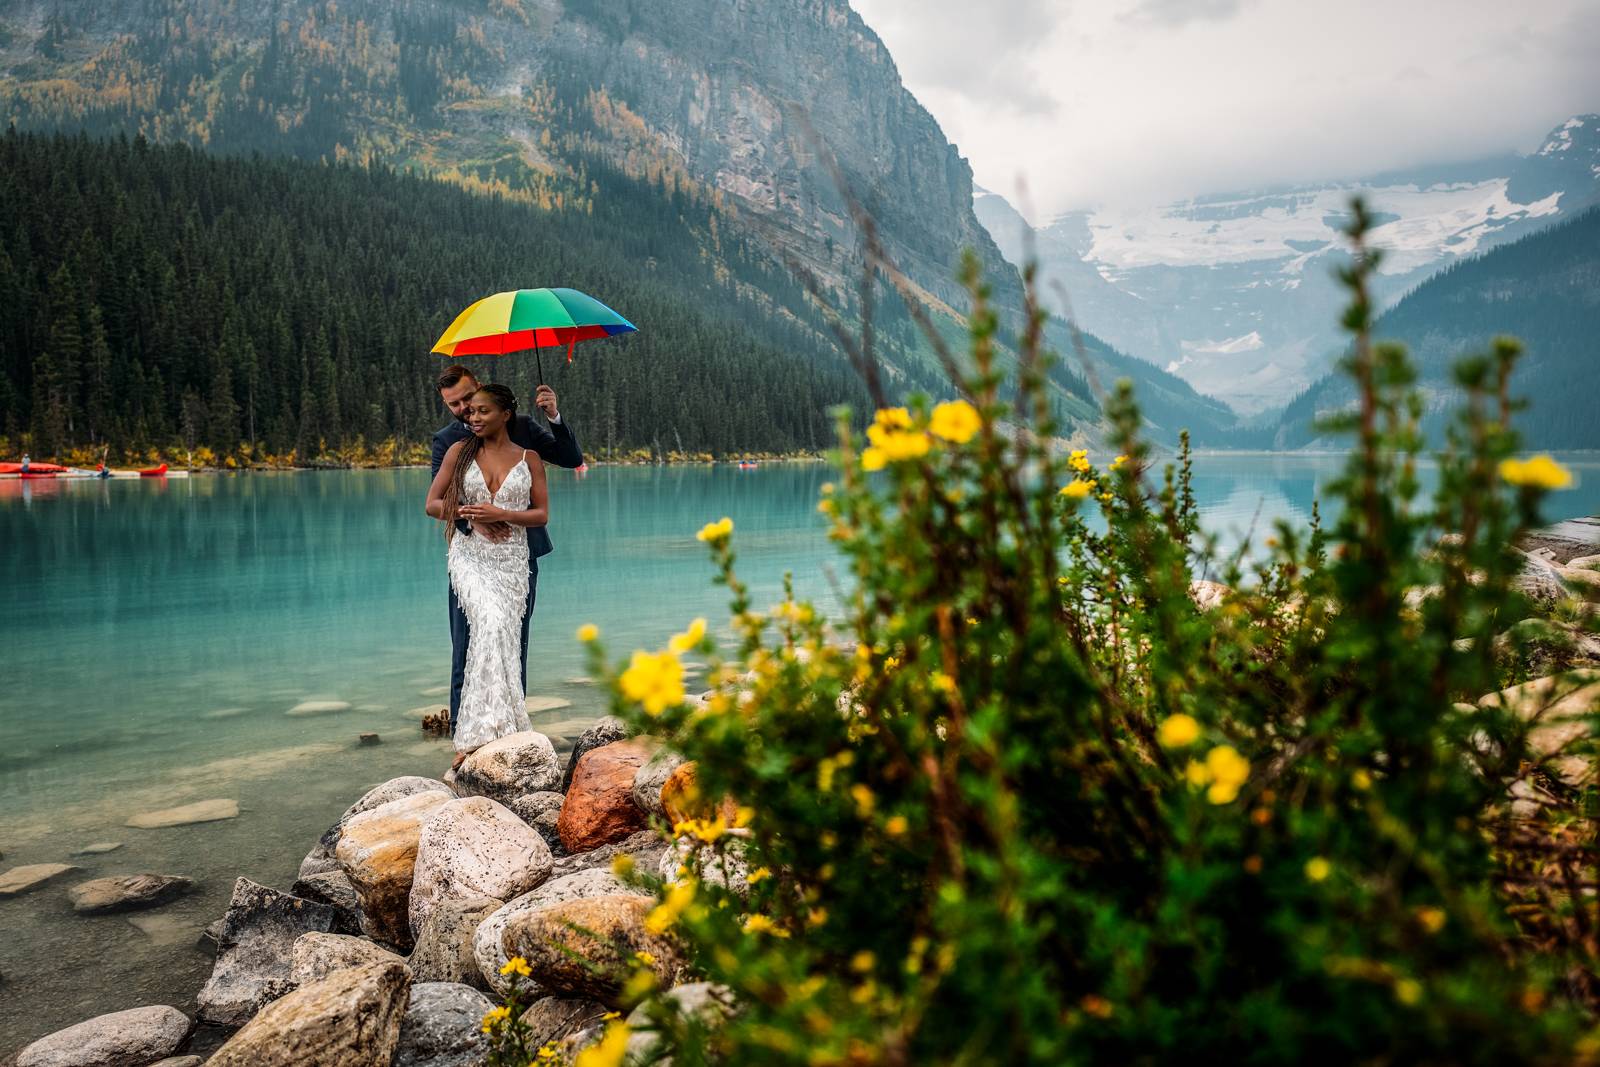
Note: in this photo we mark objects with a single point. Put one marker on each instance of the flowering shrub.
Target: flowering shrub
(1028, 802)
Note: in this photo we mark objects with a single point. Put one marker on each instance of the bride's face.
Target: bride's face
(484, 416)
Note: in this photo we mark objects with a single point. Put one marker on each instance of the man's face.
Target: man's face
(455, 397)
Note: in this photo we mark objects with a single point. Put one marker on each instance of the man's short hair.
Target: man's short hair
(453, 374)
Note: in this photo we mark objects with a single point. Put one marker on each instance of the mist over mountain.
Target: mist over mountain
(1235, 293)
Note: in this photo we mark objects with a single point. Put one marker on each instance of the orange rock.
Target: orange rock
(599, 808)
(681, 799)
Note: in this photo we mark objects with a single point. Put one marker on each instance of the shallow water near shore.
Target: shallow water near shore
(172, 642)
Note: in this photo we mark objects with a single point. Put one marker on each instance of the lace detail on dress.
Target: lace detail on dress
(491, 582)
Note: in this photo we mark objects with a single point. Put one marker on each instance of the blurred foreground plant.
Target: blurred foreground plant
(1029, 802)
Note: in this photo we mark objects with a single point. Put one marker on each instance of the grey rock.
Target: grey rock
(645, 846)
(444, 943)
(474, 847)
(180, 1061)
(31, 876)
(603, 732)
(322, 858)
(509, 767)
(315, 956)
(349, 1019)
(727, 868)
(488, 944)
(395, 788)
(255, 950)
(709, 1003)
(127, 892)
(332, 888)
(98, 848)
(541, 810)
(553, 1018)
(369, 739)
(651, 777)
(442, 1027)
(129, 1038)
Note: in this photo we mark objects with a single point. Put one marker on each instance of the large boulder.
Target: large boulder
(1559, 710)
(553, 1018)
(254, 950)
(488, 945)
(126, 892)
(321, 859)
(443, 1027)
(645, 846)
(542, 811)
(725, 866)
(600, 807)
(475, 847)
(129, 1038)
(603, 732)
(378, 851)
(681, 799)
(651, 777)
(710, 1004)
(333, 889)
(349, 1019)
(509, 767)
(408, 785)
(444, 943)
(584, 948)
(315, 956)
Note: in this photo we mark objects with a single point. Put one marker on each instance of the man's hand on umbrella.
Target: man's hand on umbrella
(544, 398)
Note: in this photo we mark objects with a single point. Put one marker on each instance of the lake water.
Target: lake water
(156, 635)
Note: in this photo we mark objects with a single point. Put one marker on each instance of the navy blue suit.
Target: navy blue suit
(556, 445)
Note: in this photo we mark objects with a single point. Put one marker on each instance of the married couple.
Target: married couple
(489, 490)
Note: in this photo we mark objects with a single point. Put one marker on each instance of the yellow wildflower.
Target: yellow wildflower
(610, 1049)
(1179, 730)
(816, 916)
(608, 1016)
(547, 1052)
(1197, 774)
(667, 912)
(1105, 498)
(1408, 991)
(622, 865)
(588, 632)
(955, 421)
(863, 961)
(495, 1017)
(517, 965)
(1431, 919)
(1118, 462)
(1318, 868)
(1079, 460)
(892, 419)
(757, 875)
(646, 958)
(743, 816)
(1539, 472)
(760, 924)
(716, 532)
(655, 680)
(864, 798)
(874, 459)
(1077, 489)
(1096, 1005)
(895, 826)
(1361, 780)
(691, 637)
(896, 445)
(1228, 771)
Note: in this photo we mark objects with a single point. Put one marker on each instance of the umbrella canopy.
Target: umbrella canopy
(529, 318)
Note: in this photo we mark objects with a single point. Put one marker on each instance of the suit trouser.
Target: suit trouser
(458, 642)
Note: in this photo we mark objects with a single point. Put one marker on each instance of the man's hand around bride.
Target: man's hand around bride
(493, 532)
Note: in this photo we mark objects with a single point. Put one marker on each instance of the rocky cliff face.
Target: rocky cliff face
(724, 94)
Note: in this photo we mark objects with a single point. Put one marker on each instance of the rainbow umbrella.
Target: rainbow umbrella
(530, 318)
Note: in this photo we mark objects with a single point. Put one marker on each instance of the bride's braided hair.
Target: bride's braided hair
(505, 400)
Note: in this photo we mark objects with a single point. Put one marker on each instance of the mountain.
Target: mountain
(1543, 289)
(1235, 293)
(530, 99)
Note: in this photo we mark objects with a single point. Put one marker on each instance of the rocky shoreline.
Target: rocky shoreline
(388, 945)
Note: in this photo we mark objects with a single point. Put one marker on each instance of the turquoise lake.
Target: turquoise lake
(157, 635)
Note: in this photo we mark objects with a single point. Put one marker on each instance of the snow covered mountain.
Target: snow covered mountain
(1235, 293)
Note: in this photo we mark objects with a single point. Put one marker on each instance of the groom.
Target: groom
(555, 445)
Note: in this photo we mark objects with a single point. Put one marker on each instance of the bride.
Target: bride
(486, 479)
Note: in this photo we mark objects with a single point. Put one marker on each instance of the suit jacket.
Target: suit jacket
(556, 445)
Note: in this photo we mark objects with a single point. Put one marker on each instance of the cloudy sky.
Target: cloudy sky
(1130, 102)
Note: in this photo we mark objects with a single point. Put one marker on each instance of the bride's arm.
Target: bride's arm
(447, 471)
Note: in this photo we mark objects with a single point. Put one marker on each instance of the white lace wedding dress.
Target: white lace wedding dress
(491, 583)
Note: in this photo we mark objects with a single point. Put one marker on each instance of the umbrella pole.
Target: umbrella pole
(538, 359)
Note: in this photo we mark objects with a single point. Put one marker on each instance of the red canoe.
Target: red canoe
(153, 472)
(33, 468)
